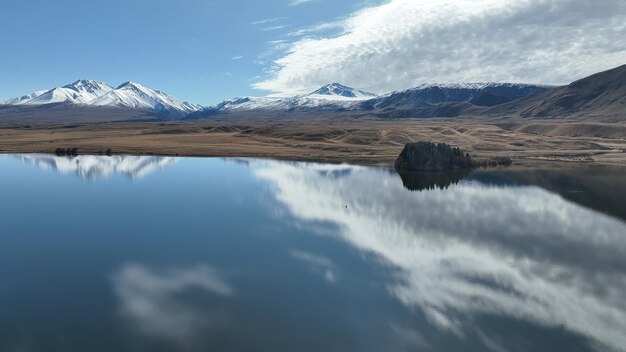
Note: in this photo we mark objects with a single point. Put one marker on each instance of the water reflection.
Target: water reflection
(153, 303)
(248, 254)
(317, 264)
(420, 181)
(598, 187)
(472, 250)
(91, 167)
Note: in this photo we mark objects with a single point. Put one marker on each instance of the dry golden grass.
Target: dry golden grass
(360, 141)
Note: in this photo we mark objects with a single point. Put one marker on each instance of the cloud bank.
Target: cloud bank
(403, 43)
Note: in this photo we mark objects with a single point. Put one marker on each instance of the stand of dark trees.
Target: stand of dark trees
(66, 152)
(428, 156)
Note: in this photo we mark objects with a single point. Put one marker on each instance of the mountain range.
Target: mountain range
(599, 95)
(92, 93)
(337, 98)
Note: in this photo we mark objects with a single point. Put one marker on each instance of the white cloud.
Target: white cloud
(274, 28)
(299, 2)
(403, 43)
(320, 27)
(237, 57)
(269, 20)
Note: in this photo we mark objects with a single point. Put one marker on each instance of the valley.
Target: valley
(582, 122)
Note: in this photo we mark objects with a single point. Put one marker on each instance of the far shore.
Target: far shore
(369, 142)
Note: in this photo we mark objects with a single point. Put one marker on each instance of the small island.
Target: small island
(428, 156)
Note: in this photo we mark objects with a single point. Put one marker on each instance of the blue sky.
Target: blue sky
(206, 51)
(201, 51)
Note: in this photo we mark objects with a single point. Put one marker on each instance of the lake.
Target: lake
(149, 253)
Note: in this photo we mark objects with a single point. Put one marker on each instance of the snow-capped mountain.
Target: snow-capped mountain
(291, 103)
(22, 99)
(79, 92)
(337, 97)
(135, 96)
(329, 97)
(336, 90)
(423, 100)
(95, 93)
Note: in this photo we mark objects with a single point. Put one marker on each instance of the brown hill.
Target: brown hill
(602, 95)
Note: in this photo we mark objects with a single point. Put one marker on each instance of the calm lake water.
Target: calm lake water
(163, 254)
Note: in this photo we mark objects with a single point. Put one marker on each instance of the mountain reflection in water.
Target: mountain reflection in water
(92, 167)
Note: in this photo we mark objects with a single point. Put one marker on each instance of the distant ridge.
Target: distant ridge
(99, 94)
(338, 98)
(427, 96)
(330, 97)
(600, 95)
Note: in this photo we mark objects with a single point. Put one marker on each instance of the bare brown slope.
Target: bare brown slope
(355, 141)
(601, 96)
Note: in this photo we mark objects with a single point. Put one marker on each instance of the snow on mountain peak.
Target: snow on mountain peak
(89, 86)
(97, 93)
(23, 98)
(339, 90)
(136, 96)
(330, 96)
(337, 97)
(129, 85)
(469, 85)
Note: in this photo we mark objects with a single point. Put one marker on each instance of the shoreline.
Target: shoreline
(370, 142)
(518, 164)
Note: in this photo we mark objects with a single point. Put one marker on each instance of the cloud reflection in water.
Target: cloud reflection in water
(317, 264)
(151, 300)
(513, 252)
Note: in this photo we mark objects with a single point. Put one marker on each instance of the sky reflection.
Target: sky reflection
(151, 300)
(245, 254)
(517, 252)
